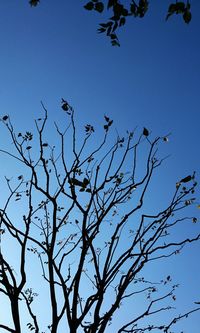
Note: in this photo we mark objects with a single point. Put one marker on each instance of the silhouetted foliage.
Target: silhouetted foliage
(121, 11)
(77, 210)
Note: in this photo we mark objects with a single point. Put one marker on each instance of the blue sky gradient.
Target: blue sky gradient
(152, 80)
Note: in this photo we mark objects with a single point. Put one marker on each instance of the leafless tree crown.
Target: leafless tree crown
(84, 221)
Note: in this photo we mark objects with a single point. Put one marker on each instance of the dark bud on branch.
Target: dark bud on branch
(65, 106)
(34, 3)
(145, 132)
(5, 118)
(186, 179)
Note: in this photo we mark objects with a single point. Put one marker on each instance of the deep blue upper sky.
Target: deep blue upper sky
(152, 80)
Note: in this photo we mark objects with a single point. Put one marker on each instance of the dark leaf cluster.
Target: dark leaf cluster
(121, 12)
(136, 9)
(95, 5)
(179, 7)
(109, 122)
(89, 129)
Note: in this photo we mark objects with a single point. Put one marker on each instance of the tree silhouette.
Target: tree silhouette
(84, 220)
(120, 11)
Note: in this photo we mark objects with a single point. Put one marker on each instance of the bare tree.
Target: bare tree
(80, 209)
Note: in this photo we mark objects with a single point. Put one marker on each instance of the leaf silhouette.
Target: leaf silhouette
(89, 5)
(89, 129)
(65, 106)
(187, 16)
(186, 179)
(107, 119)
(165, 139)
(85, 182)
(145, 132)
(99, 7)
(111, 3)
(34, 3)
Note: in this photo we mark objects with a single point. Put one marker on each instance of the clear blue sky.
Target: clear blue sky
(152, 80)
